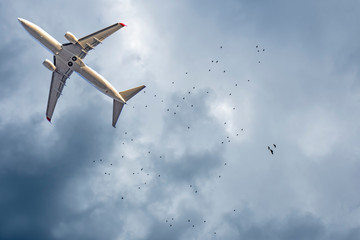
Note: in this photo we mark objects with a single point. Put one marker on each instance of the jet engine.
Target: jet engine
(49, 65)
(71, 38)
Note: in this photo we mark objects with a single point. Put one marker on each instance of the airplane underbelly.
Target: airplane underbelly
(93, 77)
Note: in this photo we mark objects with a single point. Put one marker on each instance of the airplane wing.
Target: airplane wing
(87, 43)
(58, 81)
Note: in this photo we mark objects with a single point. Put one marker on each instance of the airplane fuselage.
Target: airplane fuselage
(73, 62)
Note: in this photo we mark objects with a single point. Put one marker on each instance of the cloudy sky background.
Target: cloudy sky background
(304, 96)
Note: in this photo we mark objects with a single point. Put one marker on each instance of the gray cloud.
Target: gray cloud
(303, 96)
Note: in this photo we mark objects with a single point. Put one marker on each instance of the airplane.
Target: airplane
(69, 57)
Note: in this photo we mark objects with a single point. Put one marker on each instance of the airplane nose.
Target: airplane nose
(24, 22)
(21, 20)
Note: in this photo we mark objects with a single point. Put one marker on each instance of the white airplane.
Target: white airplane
(68, 58)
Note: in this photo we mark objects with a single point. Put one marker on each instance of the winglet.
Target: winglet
(48, 119)
(122, 24)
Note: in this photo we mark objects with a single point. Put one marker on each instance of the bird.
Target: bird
(274, 145)
(272, 152)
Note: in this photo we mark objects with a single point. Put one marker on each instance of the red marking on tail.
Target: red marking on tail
(122, 24)
(48, 119)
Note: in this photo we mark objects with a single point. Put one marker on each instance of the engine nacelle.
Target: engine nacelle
(71, 38)
(49, 65)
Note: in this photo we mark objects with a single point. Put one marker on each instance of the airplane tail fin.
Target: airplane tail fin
(118, 106)
(126, 95)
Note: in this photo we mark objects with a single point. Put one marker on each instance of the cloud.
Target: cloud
(302, 96)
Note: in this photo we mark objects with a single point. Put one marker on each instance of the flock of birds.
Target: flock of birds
(175, 110)
(272, 151)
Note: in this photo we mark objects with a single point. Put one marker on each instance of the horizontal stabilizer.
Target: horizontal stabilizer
(117, 107)
(126, 95)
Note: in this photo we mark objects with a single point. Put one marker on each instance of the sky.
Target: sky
(189, 158)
